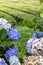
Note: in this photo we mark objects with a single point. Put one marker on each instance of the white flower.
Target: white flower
(31, 60)
(41, 60)
(37, 46)
(7, 26)
(1, 26)
(3, 21)
(4, 24)
(13, 60)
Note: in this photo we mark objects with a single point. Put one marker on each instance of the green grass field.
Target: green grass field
(22, 9)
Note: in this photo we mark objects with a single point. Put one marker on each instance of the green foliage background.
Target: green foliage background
(24, 15)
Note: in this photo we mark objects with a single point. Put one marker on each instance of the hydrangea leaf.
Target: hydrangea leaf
(3, 34)
(6, 44)
(28, 22)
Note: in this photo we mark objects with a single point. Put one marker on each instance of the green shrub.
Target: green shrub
(30, 23)
(39, 26)
(26, 33)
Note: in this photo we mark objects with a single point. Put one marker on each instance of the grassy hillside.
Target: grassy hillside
(24, 9)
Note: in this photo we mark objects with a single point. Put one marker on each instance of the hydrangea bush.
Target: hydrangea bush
(7, 49)
(36, 36)
(9, 52)
(35, 48)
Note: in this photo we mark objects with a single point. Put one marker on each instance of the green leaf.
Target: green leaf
(42, 35)
(41, 14)
(41, 1)
(3, 34)
(1, 53)
(6, 44)
(30, 23)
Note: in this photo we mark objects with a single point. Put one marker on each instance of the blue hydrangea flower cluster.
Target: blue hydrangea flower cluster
(29, 43)
(11, 56)
(37, 35)
(14, 34)
(11, 52)
(2, 62)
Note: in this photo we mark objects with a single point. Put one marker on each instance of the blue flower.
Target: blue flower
(11, 52)
(2, 62)
(37, 35)
(29, 45)
(14, 34)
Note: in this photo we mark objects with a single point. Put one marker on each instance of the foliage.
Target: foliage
(41, 1)
(3, 34)
(30, 23)
(26, 33)
(39, 24)
(5, 42)
(22, 15)
(41, 14)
